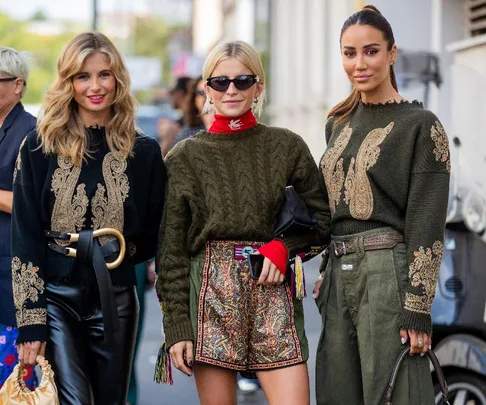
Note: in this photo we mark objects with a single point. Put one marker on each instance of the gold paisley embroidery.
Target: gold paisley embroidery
(441, 150)
(423, 273)
(107, 204)
(26, 287)
(69, 210)
(358, 193)
(332, 167)
(18, 161)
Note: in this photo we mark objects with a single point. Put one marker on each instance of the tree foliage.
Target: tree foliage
(150, 38)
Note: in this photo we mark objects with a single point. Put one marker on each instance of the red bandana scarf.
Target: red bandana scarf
(226, 125)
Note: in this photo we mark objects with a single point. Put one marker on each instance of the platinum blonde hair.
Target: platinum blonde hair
(15, 64)
(243, 52)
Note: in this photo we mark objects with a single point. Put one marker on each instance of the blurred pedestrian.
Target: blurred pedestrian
(170, 129)
(15, 124)
(145, 273)
(225, 186)
(85, 172)
(195, 119)
(386, 169)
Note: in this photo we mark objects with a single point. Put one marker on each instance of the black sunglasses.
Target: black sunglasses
(8, 79)
(241, 82)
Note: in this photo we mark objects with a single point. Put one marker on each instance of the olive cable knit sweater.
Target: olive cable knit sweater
(229, 187)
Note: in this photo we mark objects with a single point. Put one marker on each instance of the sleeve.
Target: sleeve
(173, 260)
(28, 253)
(308, 184)
(145, 245)
(425, 223)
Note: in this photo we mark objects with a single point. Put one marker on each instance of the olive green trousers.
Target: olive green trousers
(360, 300)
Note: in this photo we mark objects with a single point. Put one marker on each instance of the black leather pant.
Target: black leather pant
(89, 371)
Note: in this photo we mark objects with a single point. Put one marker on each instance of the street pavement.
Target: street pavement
(183, 392)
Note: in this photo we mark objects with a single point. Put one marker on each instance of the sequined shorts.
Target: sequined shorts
(239, 324)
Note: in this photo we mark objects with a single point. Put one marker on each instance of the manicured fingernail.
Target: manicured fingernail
(422, 354)
(403, 340)
(430, 347)
(314, 296)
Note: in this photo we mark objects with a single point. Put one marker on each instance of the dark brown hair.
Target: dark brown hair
(371, 16)
(192, 116)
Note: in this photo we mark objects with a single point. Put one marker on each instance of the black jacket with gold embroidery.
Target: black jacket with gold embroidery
(50, 193)
(388, 165)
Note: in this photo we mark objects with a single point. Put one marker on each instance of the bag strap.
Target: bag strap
(47, 374)
(438, 370)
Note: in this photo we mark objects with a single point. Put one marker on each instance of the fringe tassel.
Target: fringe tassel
(299, 278)
(163, 367)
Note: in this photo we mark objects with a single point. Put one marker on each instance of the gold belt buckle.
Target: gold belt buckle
(74, 237)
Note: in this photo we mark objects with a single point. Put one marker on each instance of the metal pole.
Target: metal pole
(95, 15)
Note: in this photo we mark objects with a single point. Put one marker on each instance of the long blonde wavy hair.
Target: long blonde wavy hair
(61, 130)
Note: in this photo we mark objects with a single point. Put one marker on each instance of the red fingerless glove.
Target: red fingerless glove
(277, 253)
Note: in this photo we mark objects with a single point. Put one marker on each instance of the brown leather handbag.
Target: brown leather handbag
(15, 392)
(438, 371)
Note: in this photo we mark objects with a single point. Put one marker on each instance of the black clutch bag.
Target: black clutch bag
(294, 216)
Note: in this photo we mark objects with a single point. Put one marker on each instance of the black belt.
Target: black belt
(88, 250)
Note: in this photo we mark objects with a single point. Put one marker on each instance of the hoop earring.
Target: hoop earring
(211, 101)
(255, 100)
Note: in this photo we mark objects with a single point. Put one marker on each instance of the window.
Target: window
(476, 16)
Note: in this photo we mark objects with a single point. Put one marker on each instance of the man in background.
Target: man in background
(15, 124)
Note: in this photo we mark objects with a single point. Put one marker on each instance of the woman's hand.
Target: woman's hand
(317, 286)
(420, 342)
(182, 356)
(271, 275)
(29, 351)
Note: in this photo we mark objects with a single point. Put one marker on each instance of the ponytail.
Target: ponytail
(345, 108)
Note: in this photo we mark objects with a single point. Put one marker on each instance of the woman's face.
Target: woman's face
(200, 96)
(232, 102)
(94, 90)
(366, 59)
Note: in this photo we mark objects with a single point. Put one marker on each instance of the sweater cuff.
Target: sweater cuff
(178, 332)
(294, 243)
(277, 253)
(32, 333)
(417, 321)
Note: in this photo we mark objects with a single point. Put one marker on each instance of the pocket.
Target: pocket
(382, 283)
(401, 270)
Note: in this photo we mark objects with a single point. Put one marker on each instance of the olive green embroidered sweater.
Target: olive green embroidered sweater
(229, 187)
(388, 165)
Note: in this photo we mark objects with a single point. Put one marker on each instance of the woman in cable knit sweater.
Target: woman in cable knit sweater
(386, 170)
(225, 188)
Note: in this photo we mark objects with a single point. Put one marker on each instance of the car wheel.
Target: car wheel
(464, 389)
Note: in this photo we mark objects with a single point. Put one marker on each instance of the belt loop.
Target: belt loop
(359, 246)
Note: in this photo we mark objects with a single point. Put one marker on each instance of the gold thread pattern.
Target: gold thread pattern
(332, 167)
(423, 274)
(107, 204)
(27, 286)
(18, 161)
(358, 193)
(68, 214)
(441, 150)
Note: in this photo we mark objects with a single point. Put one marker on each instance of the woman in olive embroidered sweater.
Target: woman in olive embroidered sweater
(225, 188)
(85, 169)
(386, 171)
